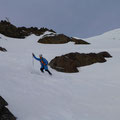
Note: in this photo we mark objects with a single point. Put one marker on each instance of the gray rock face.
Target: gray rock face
(5, 114)
(69, 62)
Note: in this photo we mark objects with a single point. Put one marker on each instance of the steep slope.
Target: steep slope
(91, 94)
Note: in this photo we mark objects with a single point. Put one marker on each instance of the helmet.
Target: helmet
(40, 55)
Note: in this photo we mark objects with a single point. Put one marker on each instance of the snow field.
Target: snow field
(91, 94)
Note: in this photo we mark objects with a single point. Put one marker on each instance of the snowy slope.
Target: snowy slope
(91, 94)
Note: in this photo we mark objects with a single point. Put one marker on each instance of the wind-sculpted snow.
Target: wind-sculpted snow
(91, 94)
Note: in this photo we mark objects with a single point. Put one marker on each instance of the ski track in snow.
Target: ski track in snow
(91, 94)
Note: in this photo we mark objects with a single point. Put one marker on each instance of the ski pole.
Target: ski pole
(33, 62)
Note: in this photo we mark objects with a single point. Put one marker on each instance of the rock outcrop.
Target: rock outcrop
(5, 114)
(69, 62)
(3, 49)
(60, 39)
(10, 30)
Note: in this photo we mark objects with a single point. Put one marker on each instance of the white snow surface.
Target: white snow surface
(91, 94)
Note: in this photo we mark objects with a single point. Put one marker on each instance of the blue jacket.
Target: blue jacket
(43, 61)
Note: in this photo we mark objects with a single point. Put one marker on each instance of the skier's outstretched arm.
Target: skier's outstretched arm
(35, 57)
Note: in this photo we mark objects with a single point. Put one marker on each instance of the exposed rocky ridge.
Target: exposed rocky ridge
(69, 62)
(10, 30)
(3, 49)
(60, 39)
(5, 114)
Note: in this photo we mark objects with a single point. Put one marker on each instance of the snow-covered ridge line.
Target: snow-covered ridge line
(109, 34)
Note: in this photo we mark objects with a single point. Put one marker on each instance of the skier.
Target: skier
(43, 62)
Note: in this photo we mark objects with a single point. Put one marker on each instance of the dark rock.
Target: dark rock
(3, 49)
(69, 62)
(5, 114)
(2, 103)
(62, 64)
(105, 54)
(56, 39)
(10, 30)
(60, 39)
(79, 41)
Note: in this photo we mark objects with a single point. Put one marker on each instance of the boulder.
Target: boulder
(3, 103)
(56, 39)
(69, 62)
(60, 39)
(5, 114)
(3, 49)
